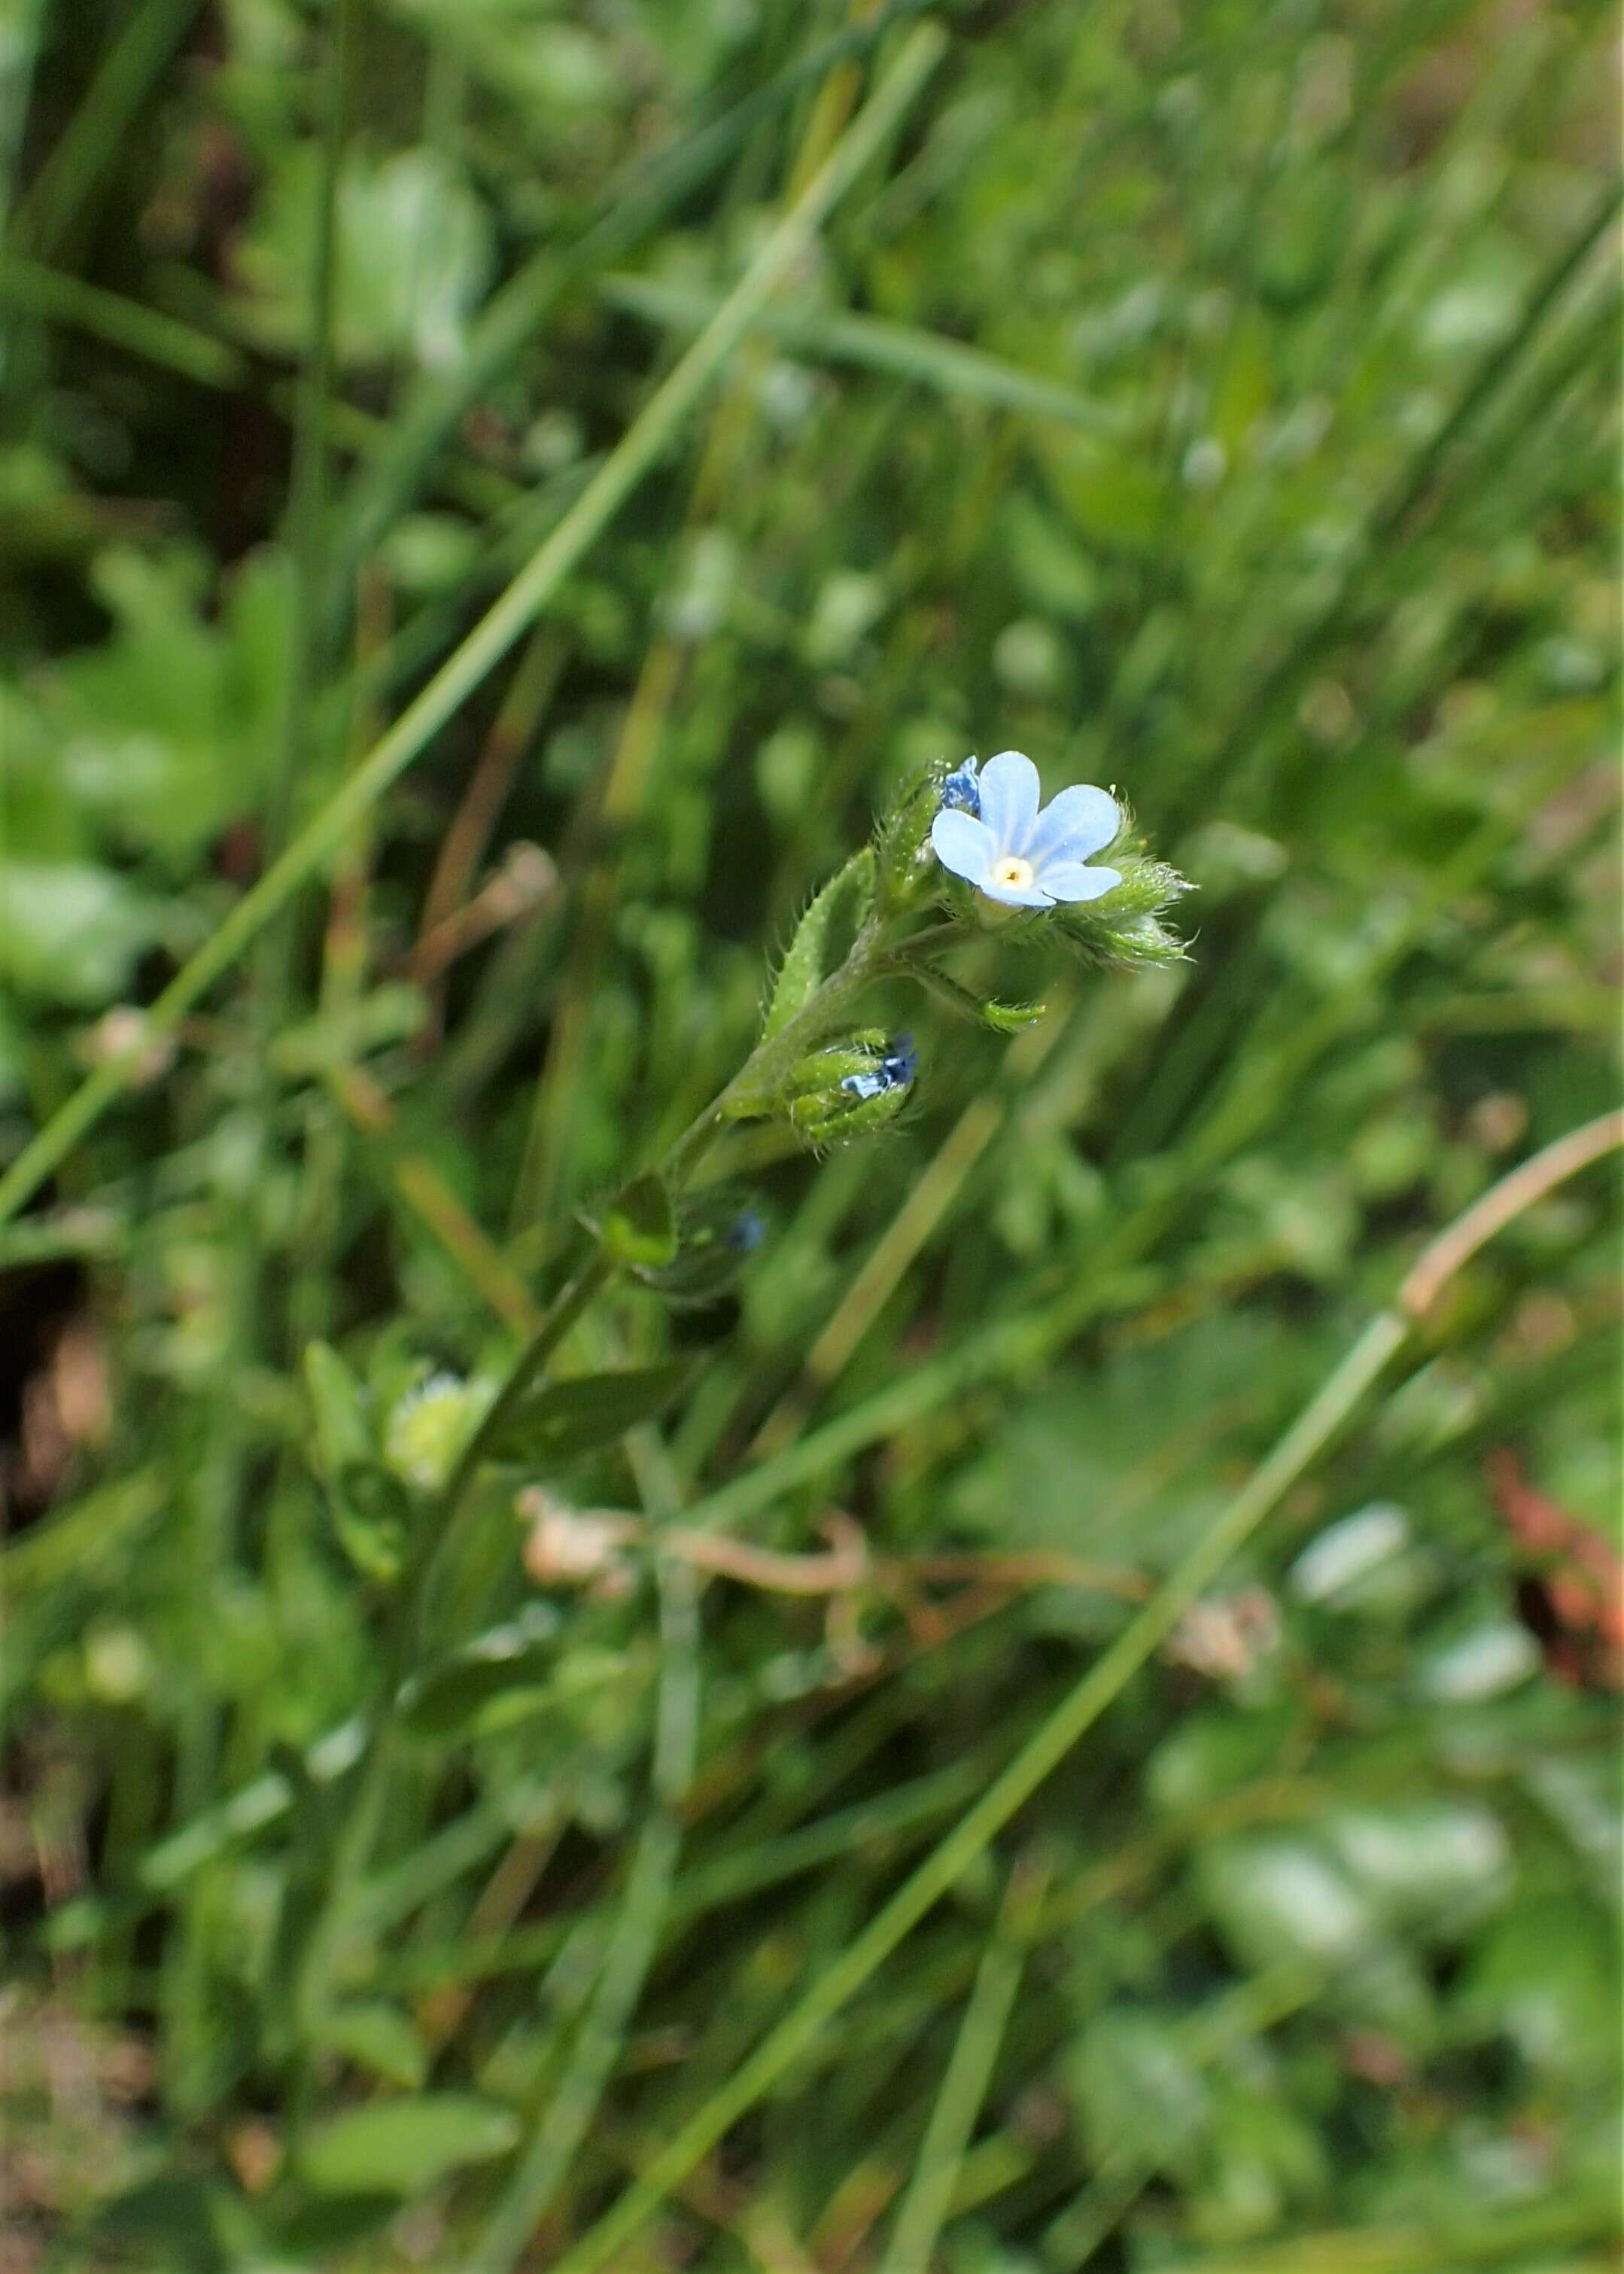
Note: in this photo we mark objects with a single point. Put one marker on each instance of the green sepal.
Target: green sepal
(1123, 931)
(820, 1069)
(826, 1117)
(822, 938)
(638, 1227)
(1003, 1018)
(906, 868)
(368, 1511)
(565, 1418)
(829, 1066)
(1013, 1018)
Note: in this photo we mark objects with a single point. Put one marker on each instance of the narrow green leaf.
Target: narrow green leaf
(825, 930)
(567, 1417)
(379, 2037)
(638, 1227)
(344, 1435)
(404, 2147)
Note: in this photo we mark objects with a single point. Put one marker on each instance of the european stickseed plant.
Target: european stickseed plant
(962, 852)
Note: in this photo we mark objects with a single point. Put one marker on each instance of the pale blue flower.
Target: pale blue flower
(1013, 853)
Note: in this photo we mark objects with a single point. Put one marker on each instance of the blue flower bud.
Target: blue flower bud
(961, 792)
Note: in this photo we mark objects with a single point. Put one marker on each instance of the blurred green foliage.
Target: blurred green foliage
(1218, 403)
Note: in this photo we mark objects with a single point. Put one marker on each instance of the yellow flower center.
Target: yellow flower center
(1014, 873)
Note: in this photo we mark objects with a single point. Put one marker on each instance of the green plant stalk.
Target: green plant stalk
(926, 2206)
(503, 623)
(1319, 1423)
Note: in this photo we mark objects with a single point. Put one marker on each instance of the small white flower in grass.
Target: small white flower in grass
(429, 1427)
(1012, 851)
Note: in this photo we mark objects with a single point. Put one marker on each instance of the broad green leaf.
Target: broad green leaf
(567, 1417)
(1426, 1864)
(164, 731)
(169, 2216)
(1143, 2101)
(414, 255)
(445, 1699)
(404, 2147)
(1546, 1977)
(70, 932)
(1278, 1896)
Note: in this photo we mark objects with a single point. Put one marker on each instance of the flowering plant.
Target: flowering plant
(960, 847)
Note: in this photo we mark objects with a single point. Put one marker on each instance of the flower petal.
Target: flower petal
(1072, 880)
(1009, 791)
(1013, 895)
(1080, 821)
(963, 844)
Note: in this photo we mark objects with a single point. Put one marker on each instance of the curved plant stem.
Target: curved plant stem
(1316, 1426)
(503, 623)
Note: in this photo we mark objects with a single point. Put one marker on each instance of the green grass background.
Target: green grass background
(1215, 402)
